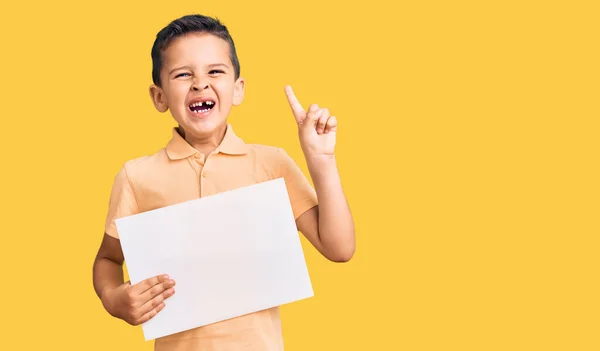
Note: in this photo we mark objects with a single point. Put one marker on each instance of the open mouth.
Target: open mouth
(201, 106)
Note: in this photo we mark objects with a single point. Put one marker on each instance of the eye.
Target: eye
(215, 71)
(182, 75)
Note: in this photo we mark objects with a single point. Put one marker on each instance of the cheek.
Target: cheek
(225, 91)
(178, 92)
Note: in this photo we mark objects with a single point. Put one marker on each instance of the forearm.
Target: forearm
(107, 275)
(335, 223)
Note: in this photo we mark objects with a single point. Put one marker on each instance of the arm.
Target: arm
(328, 226)
(135, 304)
(108, 266)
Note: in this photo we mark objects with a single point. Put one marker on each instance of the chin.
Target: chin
(202, 128)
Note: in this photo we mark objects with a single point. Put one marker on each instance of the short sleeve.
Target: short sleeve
(122, 202)
(302, 195)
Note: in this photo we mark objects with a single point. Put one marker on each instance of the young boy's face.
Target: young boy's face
(198, 84)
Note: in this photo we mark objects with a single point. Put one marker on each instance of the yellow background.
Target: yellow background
(468, 146)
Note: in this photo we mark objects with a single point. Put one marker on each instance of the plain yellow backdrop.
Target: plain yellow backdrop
(468, 148)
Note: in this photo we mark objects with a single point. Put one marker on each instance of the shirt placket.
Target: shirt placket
(200, 168)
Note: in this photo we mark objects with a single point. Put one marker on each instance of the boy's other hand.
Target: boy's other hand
(316, 128)
(137, 304)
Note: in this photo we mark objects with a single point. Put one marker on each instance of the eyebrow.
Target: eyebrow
(218, 65)
(178, 68)
(210, 66)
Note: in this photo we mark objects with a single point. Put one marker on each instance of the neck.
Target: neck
(205, 144)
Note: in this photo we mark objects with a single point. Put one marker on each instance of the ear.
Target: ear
(238, 91)
(158, 98)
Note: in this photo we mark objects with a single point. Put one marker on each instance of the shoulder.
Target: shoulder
(138, 168)
(268, 155)
(265, 151)
(274, 160)
(267, 159)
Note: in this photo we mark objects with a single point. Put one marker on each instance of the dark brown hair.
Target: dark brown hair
(185, 25)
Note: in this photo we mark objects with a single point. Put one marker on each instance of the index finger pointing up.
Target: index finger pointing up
(297, 109)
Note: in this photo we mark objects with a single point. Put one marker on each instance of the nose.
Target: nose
(199, 84)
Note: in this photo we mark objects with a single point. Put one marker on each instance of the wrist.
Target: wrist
(321, 165)
(320, 160)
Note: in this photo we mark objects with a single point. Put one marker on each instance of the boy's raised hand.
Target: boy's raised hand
(137, 304)
(316, 128)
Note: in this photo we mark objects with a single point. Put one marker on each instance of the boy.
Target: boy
(196, 76)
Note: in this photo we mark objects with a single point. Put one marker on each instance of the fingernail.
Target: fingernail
(166, 276)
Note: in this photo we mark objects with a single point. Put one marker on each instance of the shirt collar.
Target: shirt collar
(178, 148)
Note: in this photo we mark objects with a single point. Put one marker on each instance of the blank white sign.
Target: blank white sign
(230, 254)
